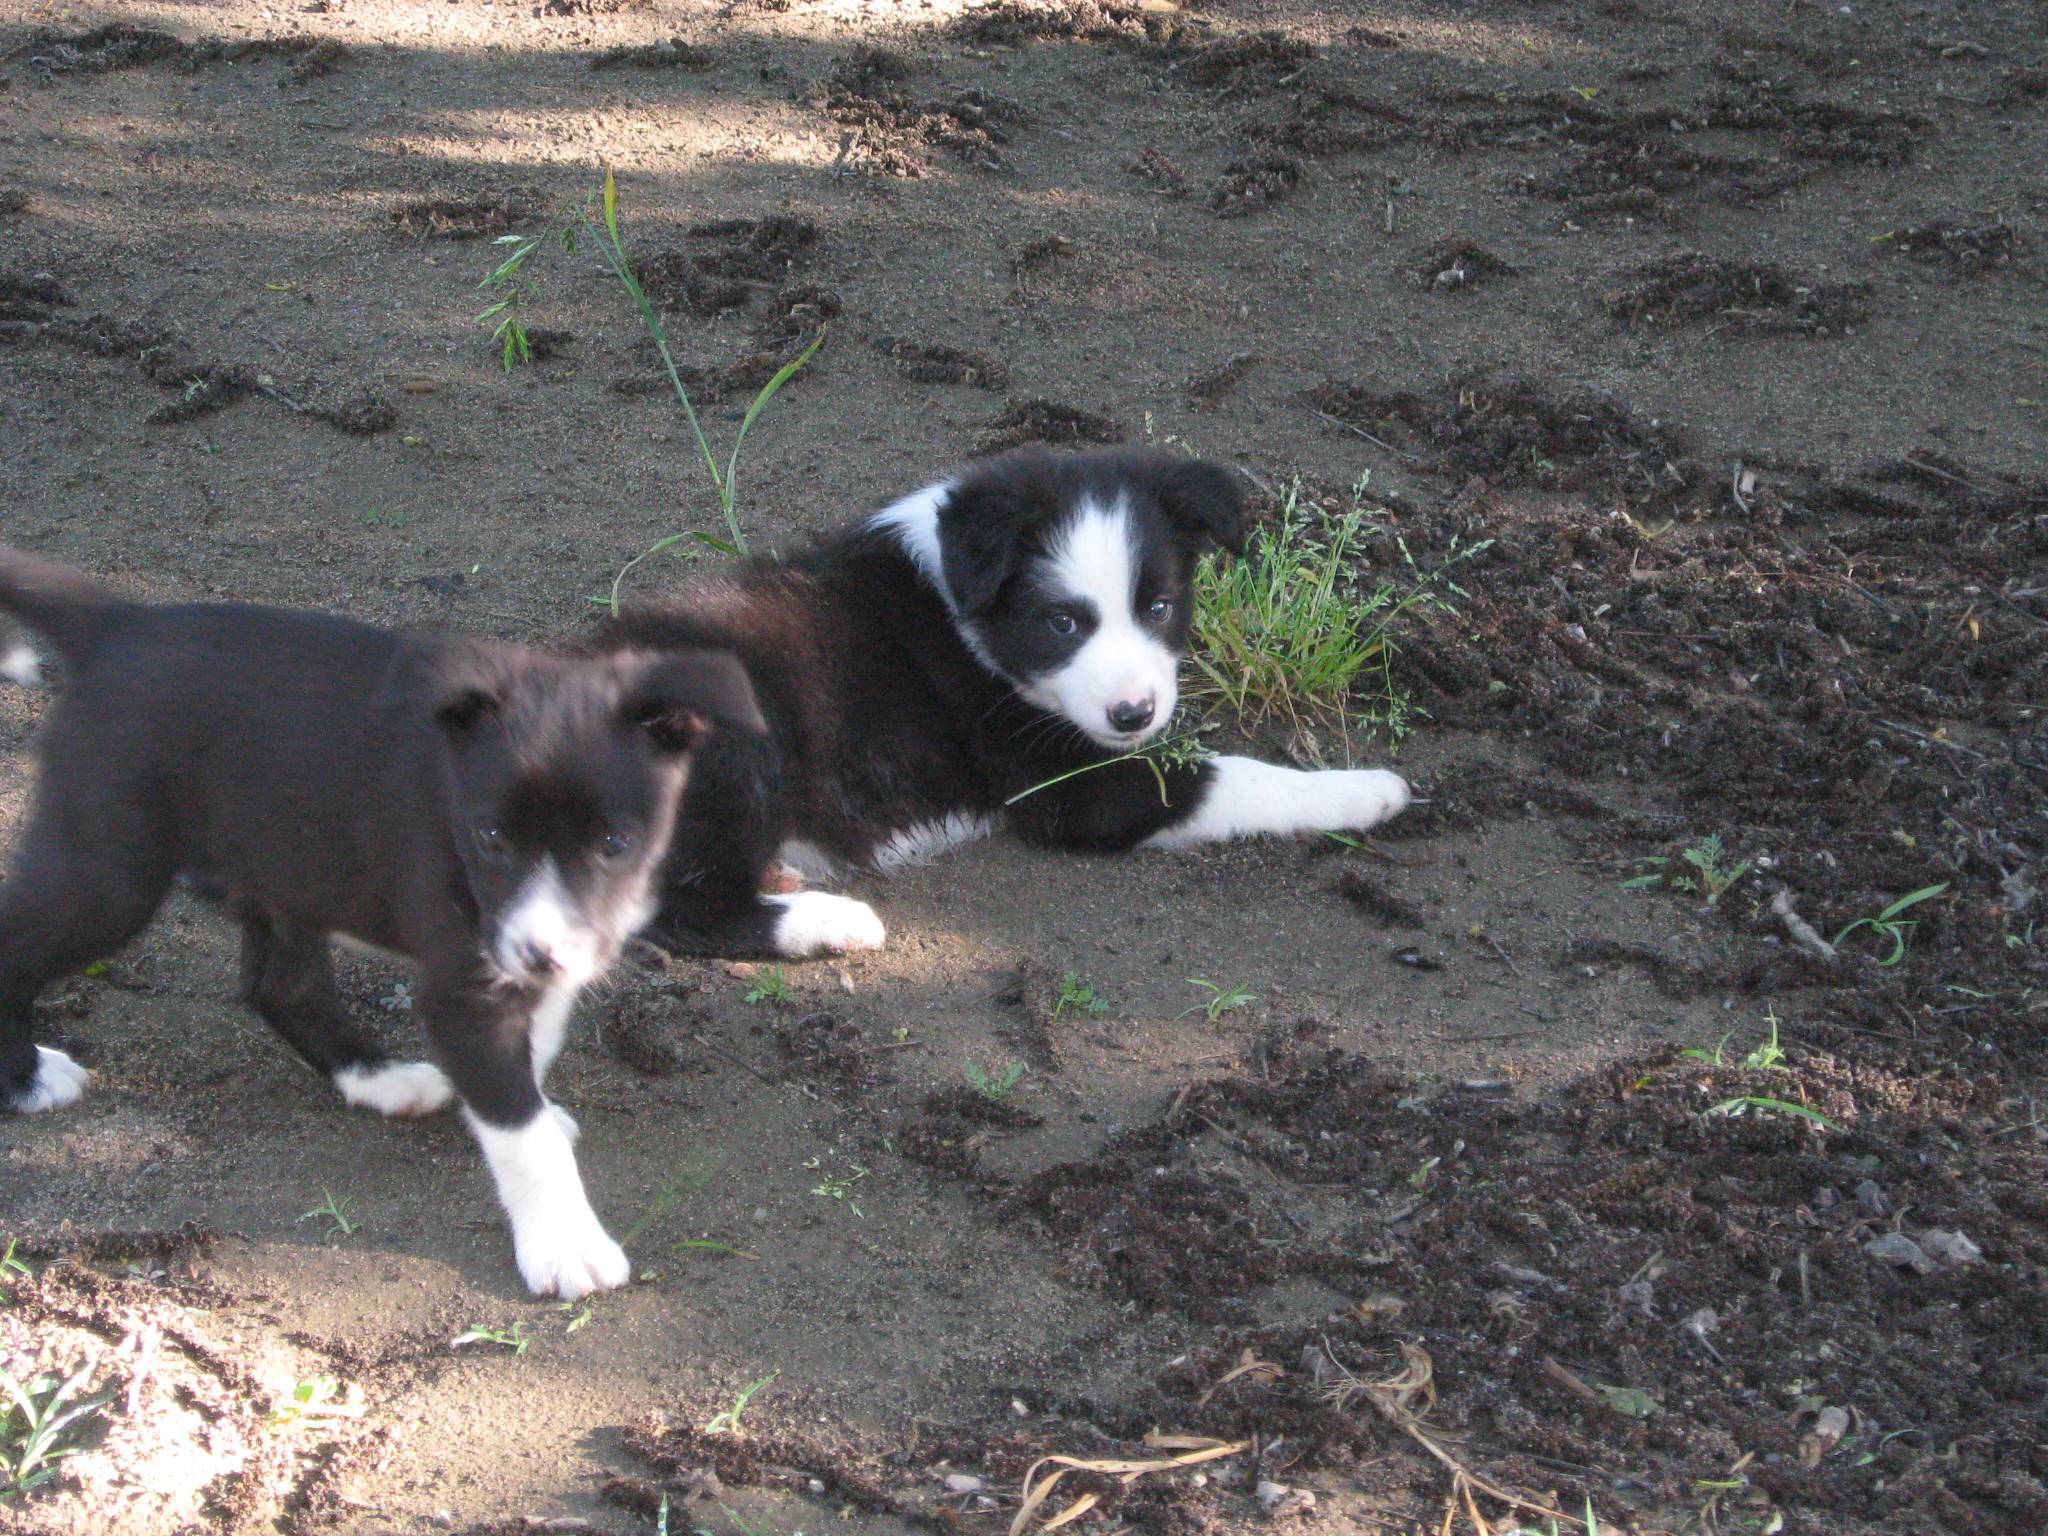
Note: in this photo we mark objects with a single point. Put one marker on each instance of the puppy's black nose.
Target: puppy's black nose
(1132, 714)
(538, 958)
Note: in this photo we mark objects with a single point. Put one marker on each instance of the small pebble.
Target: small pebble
(1899, 1249)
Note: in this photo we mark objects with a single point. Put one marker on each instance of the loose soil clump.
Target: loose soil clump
(935, 363)
(484, 216)
(1971, 248)
(1254, 183)
(1046, 421)
(1757, 296)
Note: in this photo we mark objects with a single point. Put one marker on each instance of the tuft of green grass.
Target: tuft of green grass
(1288, 630)
(37, 1416)
(998, 1085)
(1079, 996)
(727, 1422)
(1890, 925)
(335, 1213)
(1221, 1000)
(513, 1338)
(771, 986)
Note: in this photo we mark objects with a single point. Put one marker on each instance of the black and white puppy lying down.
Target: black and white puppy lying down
(977, 638)
(496, 815)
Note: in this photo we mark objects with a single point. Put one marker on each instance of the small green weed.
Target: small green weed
(510, 281)
(35, 1417)
(837, 1186)
(11, 1266)
(318, 1397)
(771, 986)
(1710, 879)
(1288, 630)
(1745, 1103)
(580, 1313)
(1890, 925)
(1220, 1000)
(685, 1183)
(998, 1085)
(335, 1213)
(727, 1422)
(513, 1338)
(1768, 1056)
(1079, 996)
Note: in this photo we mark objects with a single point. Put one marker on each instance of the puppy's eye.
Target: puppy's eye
(1160, 611)
(614, 845)
(493, 844)
(1061, 622)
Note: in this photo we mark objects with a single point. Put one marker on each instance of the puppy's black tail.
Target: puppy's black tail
(67, 607)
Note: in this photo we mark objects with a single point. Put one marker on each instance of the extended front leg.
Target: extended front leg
(1127, 804)
(484, 1038)
(1242, 797)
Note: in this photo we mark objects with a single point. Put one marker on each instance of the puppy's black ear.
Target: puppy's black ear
(463, 708)
(1205, 499)
(978, 544)
(678, 698)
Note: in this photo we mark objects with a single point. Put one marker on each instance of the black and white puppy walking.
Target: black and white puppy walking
(987, 634)
(496, 815)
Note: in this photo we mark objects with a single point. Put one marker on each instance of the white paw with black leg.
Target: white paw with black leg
(1352, 800)
(1242, 797)
(819, 923)
(569, 1254)
(58, 1081)
(399, 1089)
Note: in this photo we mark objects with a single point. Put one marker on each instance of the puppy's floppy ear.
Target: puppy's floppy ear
(452, 682)
(679, 697)
(978, 544)
(1204, 499)
(982, 521)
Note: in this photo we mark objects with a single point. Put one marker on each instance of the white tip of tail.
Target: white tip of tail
(18, 664)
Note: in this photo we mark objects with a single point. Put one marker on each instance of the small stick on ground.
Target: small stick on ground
(748, 1067)
(1506, 959)
(1784, 907)
(1571, 1383)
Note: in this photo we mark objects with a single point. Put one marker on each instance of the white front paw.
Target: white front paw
(1359, 798)
(58, 1081)
(570, 1257)
(818, 923)
(400, 1089)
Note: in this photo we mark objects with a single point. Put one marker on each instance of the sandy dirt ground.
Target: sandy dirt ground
(1727, 326)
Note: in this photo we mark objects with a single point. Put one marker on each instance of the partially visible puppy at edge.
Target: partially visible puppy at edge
(993, 632)
(496, 815)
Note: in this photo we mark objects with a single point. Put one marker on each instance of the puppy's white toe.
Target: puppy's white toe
(58, 1081)
(1368, 796)
(402, 1089)
(570, 1259)
(819, 923)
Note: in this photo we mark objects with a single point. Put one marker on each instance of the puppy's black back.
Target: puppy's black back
(258, 749)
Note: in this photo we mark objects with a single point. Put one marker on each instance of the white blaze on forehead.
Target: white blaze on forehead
(543, 915)
(1094, 560)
